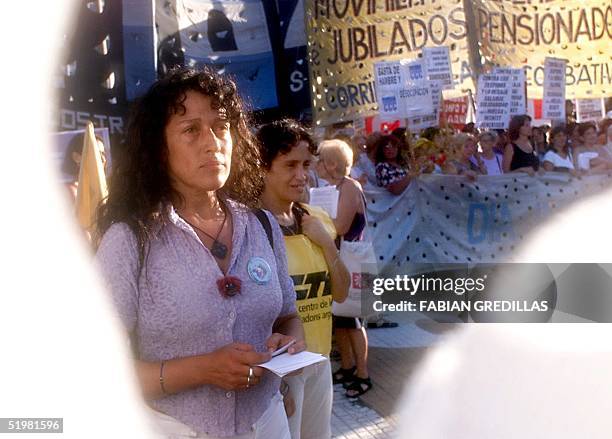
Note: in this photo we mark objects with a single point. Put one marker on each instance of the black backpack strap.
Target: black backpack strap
(265, 222)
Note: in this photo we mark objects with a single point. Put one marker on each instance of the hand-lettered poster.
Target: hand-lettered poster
(494, 98)
(553, 103)
(453, 112)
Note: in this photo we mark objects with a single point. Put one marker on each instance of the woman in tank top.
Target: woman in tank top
(335, 161)
(519, 155)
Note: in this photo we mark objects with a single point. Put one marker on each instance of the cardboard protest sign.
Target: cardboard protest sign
(590, 110)
(417, 91)
(438, 66)
(402, 89)
(453, 112)
(416, 123)
(553, 104)
(388, 83)
(493, 101)
(518, 100)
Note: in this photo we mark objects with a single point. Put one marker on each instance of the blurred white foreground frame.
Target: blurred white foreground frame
(513, 381)
(64, 354)
(506, 381)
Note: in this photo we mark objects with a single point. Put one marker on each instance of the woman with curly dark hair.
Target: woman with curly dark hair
(390, 166)
(198, 276)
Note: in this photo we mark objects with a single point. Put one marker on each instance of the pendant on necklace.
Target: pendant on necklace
(218, 250)
(229, 286)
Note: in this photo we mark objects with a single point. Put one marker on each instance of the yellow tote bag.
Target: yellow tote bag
(310, 274)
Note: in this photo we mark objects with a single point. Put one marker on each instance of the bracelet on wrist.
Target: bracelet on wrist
(161, 378)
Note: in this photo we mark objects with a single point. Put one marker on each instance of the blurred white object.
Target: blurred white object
(513, 381)
(507, 381)
(63, 353)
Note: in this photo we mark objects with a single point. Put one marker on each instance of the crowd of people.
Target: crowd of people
(391, 160)
(214, 258)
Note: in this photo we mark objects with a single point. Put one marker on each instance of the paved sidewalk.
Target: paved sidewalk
(394, 354)
(351, 419)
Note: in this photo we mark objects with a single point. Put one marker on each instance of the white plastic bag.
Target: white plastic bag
(360, 260)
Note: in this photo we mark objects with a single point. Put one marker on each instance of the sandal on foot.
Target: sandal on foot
(382, 323)
(344, 376)
(358, 387)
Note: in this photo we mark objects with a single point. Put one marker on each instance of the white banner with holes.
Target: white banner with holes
(444, 218)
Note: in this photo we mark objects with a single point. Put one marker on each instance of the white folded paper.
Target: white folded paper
(325, 198)
(286, 363)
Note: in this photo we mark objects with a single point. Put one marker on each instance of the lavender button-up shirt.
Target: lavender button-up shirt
(174, 309)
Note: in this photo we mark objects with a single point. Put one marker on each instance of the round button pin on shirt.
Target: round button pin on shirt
(259, 270)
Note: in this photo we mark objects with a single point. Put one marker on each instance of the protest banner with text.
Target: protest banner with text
(523, 33)
(346, 38)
